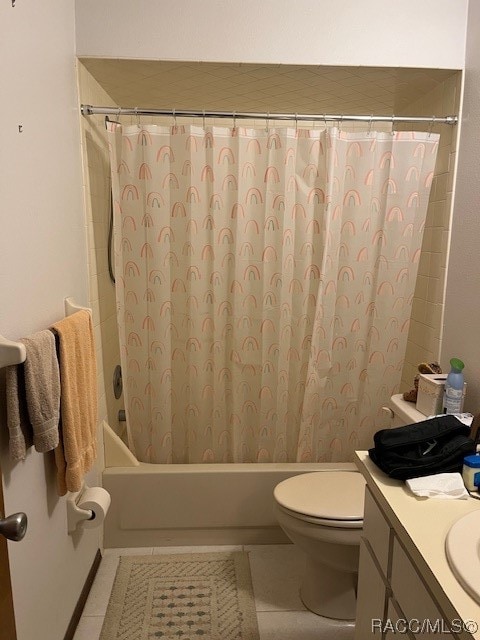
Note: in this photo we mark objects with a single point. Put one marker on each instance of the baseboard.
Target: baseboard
(77, 613)
(193, 537)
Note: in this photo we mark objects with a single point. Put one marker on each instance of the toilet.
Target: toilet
(322, 513)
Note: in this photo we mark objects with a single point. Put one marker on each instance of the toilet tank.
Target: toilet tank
(403, 412)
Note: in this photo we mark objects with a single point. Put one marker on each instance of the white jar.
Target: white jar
(471, 472)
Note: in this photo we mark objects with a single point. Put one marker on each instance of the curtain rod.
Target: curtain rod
(89, 110)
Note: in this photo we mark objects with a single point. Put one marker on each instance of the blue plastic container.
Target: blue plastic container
(471, 472)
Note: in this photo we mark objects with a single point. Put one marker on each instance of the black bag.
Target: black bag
(437, 445)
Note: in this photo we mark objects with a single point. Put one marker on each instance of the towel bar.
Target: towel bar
(71, 307)
(15, 353)
(11, 352)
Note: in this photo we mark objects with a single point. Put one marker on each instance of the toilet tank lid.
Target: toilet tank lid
(330, 495)
(404, 410)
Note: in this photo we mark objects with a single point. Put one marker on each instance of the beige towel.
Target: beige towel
(77, 449)
(42, 388)
(19, 429)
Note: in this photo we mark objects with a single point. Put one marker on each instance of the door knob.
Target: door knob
(14, 527)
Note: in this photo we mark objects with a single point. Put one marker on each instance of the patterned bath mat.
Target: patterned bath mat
(195, 596)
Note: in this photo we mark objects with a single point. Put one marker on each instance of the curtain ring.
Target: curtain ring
(234, 121)
(174, 118)
(203, 111)
(370, 125)
(119, 112)
(341, 123)
(432, 124)
(296, 122)
(393, 125)
(138, 117)
(267, 122)
(325, 121)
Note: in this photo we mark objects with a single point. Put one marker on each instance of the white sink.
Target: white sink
(463, 552)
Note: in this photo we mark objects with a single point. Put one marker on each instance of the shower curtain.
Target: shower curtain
(264, 286)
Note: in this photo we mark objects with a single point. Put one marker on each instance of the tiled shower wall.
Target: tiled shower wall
(96, 188)
(427, 311)
(426, 324)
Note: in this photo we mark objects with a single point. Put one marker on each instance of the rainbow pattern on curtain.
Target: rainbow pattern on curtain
(264, 286)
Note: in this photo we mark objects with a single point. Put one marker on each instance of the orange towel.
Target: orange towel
(77, 449)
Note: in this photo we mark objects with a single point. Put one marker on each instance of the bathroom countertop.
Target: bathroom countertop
(422, 524)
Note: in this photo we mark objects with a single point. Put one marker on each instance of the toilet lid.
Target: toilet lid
(331, 495)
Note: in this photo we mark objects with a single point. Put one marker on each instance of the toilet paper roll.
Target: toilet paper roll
(97, 500)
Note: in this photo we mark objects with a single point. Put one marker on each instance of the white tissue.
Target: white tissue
(448, 486)
(96, 500)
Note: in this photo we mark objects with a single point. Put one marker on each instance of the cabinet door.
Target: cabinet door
(377, 531)
(425, 619)
(371, 597)
(396, 624)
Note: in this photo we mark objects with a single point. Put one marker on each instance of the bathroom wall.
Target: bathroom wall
(462, 303)
(425, 335)
(398, 33)
(42, 260)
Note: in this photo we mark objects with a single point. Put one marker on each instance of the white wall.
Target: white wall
(403, 33)
(462, 305)
(42, 260)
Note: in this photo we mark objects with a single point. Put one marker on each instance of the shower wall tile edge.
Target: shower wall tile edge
(426, 326)
(96, 184)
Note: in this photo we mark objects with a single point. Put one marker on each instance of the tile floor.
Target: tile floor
(276, 571)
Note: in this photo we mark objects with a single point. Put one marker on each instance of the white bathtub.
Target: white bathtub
(185, 504)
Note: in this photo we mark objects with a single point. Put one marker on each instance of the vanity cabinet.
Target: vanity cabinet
(393, 599)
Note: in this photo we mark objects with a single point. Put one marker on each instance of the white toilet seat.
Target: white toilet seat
(325, 498)
(324, 522)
